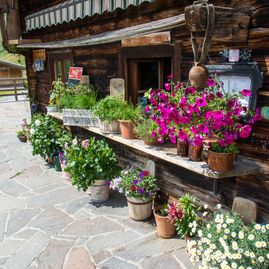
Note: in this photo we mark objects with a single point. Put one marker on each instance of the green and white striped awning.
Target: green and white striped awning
(74, 9)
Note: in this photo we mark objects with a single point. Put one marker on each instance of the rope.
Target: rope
(208, 34)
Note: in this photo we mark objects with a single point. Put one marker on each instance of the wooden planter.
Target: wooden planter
(22, 138)
(139, 209)
(79, 117)
(109, 127)
(221, 162)
(182, 148)
(195, 153)
(127, 129)
(165, 228)
(99, 191)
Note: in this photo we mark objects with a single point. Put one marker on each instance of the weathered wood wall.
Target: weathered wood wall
(102, 63)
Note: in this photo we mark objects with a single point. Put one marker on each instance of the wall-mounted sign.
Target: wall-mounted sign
(147, 40)
(39, 55)
(75, 75)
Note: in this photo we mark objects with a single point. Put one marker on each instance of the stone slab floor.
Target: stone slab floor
(46, 223)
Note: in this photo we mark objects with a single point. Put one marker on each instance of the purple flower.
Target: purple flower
(219, 94)
(135, 181)
(141, 175)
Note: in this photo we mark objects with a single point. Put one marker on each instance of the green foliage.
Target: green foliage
(90, 160)
(163, 211)
(190, 209)
(21, 133)
(109, 108)
(47, 135)
(56, 93)
(135, 183)
(144, 128)
(232, 148)
(130, 112)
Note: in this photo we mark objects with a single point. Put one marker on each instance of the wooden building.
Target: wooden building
(143, 42)
(9, 70)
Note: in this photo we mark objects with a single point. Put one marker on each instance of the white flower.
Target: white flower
(190, 225)
(205, 214)
(227, 231)
(235, 245)
(233, 234)
(261, 259)
(252, 255)
(37, 122)
(224, 225)
(32, 131)
(208, 226)
(206, 206)
(267, 256)
(263, 244)
(218, 206)
(75, 141)
(258, 244)
(234, 265)
(267, 226)
(246, 253)
(241, 235)
(209, 236)
(251, 237)
(200, 233)
(257, 226)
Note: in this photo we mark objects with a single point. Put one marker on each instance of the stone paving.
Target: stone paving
(46, 223)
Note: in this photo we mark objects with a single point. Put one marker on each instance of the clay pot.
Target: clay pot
(198, 76)
(127, 129)
(195, 153)
(182, 148)
(99, 191)
(165, 228)
(139, 209)
(22, 138)
(151, 143)
(220, 162)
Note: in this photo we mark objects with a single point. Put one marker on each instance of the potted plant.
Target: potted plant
(91, 163)
(225, 242)
(129, 115)
(140, 188)
(57, 91)
(145, 130)
(22, 136)
(166, 217)
(108, 110)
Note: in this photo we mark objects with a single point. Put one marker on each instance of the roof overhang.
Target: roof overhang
(73, 10)
(113, 36)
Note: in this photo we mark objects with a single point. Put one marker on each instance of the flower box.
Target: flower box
(79, 117)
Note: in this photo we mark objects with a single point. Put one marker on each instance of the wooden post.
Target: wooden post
(177, 61)
(15, 90)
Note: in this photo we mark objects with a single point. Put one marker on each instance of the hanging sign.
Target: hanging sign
(39, 55)
(75, 75)
(147, 40)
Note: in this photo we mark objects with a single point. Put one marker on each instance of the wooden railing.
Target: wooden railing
(13, 87)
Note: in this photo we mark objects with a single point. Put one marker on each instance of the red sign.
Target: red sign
(75, 73)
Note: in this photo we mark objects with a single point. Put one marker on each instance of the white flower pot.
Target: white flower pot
(51, 109)
(109, 127)
(99, 191)
(139, 209)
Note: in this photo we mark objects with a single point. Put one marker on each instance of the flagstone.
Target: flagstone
(8, 203)
(3, 218)
(75, 205)
(11, 187)
(115, 263)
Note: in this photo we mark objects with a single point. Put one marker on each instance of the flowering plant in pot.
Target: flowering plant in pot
(140, 188)
(225, 242)
(91, 162)
(166, 217)
(57, 91)
(21, 134)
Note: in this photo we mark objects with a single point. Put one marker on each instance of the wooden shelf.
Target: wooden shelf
(243, 165)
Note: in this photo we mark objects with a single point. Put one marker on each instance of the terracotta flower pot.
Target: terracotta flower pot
(220, 162)
(195, 153)
(151, 143)
(127, 129)
(99, 191)
(165, 228)
(182, 148)
(139, 209)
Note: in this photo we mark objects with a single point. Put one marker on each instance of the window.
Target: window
(60, 64)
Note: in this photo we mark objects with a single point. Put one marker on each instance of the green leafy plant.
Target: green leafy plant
(232, 148)
(135, 183)
(90, 160)
(129, 112)
(56, 93)
(21, 133)
(109, 108)
(144, 129)
(187, 225)
(225, 242)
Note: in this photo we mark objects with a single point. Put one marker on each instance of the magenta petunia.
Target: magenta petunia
(202, 128)
(246, 92)
(219, 94)
(167, 86)
(190, 90)
(173, 139)
(153, 134)
(182, 135)
(201, 102)
(217, 115)
(211, 82)
(244, 132)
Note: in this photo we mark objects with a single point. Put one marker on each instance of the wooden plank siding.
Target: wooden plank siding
(104, 62)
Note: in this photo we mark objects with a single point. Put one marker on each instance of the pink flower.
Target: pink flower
(190, 90)
(245, 131)
(219, 94)
(202, 128)
(218, 115)
(231, 103)
(211, 82)
(201, 102)
(170, 76)
(153, 134)
(85, 143)
(182, 135)
(246, 92)
(173, 139)
(167, 86)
